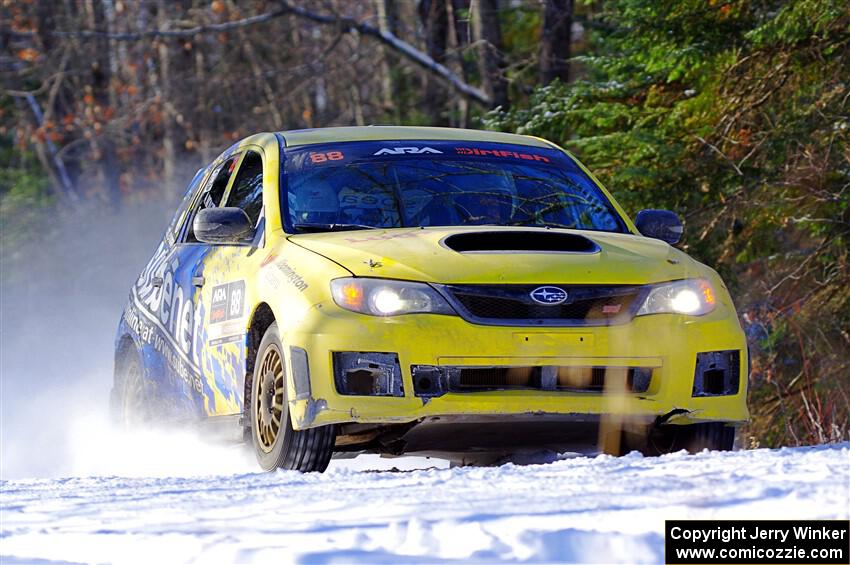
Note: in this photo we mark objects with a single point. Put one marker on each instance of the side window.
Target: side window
(247, 189)
(213, 191)
(213, 196)
(183, 209)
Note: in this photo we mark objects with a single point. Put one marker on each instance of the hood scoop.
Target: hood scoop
(509, 241)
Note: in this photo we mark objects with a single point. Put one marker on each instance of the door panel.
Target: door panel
(228, 282)
(222, 337)
(164, 309)
(173, 301)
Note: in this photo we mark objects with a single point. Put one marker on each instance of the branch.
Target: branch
(343, 24)
(64, 181)
(176, 33)
(719, 152)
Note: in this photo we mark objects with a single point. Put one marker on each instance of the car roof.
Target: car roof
(313, 136)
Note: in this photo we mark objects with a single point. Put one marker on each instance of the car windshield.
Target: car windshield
(388, 184)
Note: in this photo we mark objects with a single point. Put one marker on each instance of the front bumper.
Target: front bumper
(668, 344)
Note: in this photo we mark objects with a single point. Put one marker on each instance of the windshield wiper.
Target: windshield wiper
(310, 227)
(535, 224)
(532, 224)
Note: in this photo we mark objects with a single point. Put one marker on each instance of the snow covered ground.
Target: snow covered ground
(600, 509)
(157, 499)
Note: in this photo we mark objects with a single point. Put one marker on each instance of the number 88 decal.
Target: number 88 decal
(325, 157)
(236, 302)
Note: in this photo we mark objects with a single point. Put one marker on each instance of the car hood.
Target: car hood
(488, 254)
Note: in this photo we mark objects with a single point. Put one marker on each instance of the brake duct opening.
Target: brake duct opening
(367, 374)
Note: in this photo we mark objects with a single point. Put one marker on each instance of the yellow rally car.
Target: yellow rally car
(445, 292)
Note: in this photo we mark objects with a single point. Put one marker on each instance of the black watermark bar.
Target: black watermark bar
(742, 542)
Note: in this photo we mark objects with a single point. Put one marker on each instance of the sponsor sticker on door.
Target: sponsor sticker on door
(227, 310)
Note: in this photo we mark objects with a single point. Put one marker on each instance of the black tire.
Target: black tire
(276, 444)
(714, 436)
(130, 404)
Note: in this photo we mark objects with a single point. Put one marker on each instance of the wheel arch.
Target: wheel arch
(261, 318)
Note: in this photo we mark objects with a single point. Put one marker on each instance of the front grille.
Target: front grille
(429, 380)
(600, 379)
(596, 305)
(497, 377)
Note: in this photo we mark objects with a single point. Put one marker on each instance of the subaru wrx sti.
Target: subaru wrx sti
(444, 292)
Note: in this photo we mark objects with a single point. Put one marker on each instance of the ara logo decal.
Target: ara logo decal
(407, 150)
(227, 302)
(226, 313)
(549, 295)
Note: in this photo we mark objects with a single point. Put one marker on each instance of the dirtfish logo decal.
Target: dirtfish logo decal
(407, 150)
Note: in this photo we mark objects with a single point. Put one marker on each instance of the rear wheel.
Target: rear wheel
(130, 401)
(276, 444)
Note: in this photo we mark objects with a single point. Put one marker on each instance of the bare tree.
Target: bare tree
(435, 20)
(390, 76)
(488, 35)
(460, 31)
(163, 88)
(555, 41)
(134, 96)
(103, 98)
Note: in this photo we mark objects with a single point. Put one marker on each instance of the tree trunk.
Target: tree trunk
(63, 176)
(259, 79)
(101, 79)
(435, 20)
(389, 61)
(45, 24)
(163, 91)
(200, 120)
(555, 41)
(488, 35)
(303, 102)
(50, 160)
(460, 35)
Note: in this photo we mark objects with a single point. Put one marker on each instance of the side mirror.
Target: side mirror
(222, 225)
(660, 224)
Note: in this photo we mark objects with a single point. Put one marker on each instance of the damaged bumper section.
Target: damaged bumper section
(367, 374)
(717, 373)
(397, 371)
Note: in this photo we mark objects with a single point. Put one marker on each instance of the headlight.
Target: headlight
(381, 297)
(694, 297)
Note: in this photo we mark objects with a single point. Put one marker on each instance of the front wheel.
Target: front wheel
(276, 444)
(714, 436)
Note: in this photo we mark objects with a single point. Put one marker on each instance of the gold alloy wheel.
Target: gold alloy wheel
(268, 405)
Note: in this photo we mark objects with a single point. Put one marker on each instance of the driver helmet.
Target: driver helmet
(315, 202)
(362, 206)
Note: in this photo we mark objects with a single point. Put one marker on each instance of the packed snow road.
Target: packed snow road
(600, 509)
